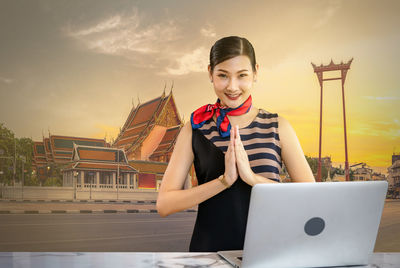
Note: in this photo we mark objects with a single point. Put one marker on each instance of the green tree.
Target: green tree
(313, 162)
(21, 148)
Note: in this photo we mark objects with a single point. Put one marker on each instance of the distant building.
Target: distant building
(151, 129)
(99, 168)
(395, 157)
(57, 150)
(378, 176)
(394, 174)
(145, 141)
(150, 173)
(148, 137)
(363, 173)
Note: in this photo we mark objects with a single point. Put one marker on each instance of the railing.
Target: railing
(88, 185)
(105, 186)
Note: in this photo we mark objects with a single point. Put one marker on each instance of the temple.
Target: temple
(99, 168)
(145, 144)
(151, 129)
(58, 150)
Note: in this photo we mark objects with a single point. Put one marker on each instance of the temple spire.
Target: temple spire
(165, 85)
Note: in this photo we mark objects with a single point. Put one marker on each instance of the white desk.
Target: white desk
(139, 260)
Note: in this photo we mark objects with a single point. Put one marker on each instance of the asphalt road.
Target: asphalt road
(133, 232)
(96, 232)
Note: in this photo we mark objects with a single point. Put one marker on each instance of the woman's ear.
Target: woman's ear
(210, 73)
(256, 72)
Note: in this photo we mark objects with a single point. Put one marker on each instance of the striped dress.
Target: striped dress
(221, 220)
(260, 140)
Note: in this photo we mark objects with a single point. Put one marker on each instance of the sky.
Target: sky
(76, 68)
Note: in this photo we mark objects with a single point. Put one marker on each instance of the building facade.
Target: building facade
(57, 151)
(99, 168)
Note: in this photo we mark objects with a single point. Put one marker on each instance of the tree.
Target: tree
(21, 148)
(313, 162)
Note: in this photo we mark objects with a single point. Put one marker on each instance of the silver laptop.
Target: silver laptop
(311, 224)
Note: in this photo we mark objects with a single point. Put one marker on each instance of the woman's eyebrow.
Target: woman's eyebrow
(225, 71)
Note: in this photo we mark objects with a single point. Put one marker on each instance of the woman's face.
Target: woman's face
(233, 80)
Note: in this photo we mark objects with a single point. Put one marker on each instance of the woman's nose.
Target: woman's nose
(233, 84)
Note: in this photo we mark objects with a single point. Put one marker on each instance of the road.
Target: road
(96, 232)
(133, 232)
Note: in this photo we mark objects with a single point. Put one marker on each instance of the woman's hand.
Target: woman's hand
(242, 160)
(231, 173)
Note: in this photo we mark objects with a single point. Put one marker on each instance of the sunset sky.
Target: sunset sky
(75, 67)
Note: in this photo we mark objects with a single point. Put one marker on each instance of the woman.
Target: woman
(233, 146)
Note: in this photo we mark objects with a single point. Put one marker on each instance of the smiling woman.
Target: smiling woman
(233, 146)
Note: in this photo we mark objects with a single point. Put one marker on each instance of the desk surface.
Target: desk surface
(142, 259)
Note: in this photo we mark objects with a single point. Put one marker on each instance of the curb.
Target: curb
(85, 211)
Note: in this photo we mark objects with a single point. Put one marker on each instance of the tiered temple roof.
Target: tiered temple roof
(92, 158)
(58, 149)
(150, 130)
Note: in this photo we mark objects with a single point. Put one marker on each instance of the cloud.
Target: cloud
(6, 80)
(102, 26)
(329, 12)
(194, 61)
(381, 97)
(208, 31)
(125, 34)
(382, 129)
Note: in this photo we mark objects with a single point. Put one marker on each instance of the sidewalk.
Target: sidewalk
(78, 206)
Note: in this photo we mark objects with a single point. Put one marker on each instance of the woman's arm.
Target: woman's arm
(292, 154)
(171, 197)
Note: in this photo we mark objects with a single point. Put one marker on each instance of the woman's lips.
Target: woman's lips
(233, 97)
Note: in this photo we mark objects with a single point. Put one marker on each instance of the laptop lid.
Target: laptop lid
(313, 224)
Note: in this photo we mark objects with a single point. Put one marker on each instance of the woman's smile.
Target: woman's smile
(233, 96)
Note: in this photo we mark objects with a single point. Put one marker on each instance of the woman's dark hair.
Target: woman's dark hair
(230, 47)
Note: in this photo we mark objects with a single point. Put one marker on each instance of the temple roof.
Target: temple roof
(47, 148)
(144, 117)
(39, 154)
(168, 141)
(98, 159)
(59, 149)
(98, 154)
(149, 166)
(62, 146)
(99, 167)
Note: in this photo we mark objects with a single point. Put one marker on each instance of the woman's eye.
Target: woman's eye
(243, 75)
(222, 75)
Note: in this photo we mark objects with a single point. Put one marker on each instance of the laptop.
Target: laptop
(311, 224)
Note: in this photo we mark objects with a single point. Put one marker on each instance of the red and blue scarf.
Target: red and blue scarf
(206, 112)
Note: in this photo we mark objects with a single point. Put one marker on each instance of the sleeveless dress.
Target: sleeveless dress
(221, 220)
